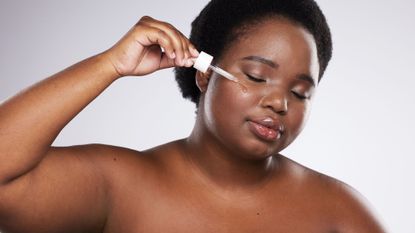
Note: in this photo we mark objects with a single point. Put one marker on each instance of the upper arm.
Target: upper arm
(66, 192)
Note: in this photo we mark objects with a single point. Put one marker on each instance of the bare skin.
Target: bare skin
(227, 176)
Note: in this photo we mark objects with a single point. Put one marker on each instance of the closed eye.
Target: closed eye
(252, 78)
(299, 96)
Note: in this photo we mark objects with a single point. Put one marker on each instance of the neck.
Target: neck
(222, 167)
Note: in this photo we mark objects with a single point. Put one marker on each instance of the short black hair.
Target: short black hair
(221, 21)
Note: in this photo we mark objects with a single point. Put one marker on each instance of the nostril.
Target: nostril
(277, 104)
(282, 112)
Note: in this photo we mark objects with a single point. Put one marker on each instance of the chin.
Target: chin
(258, 150)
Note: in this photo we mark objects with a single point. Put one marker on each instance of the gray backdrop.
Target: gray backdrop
(362, 119)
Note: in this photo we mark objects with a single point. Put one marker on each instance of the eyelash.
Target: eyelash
(252, 78)
(258, 80)
(301, 97)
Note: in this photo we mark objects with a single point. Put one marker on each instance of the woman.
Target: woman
(227, 176)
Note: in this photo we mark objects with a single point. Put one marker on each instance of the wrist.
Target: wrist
(108, 66)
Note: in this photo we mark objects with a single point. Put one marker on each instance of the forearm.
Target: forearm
(31, 120)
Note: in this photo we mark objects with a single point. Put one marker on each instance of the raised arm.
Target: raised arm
(31, 120)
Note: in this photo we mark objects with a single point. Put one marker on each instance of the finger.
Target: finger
(190, 59)
(177, 46)
(166, 62)
(193, 53)
(186, 53)
(175, 36)
(184, 58)
(148, 36)
(193, 50)
(187, 48)
(190, 51)
(154, 36)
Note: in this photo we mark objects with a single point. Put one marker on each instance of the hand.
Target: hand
(149, 46)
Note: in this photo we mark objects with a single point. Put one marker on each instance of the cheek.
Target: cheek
(224, 93)
(225, 102)
(297, 118)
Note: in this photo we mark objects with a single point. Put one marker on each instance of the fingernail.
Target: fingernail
(173, 55)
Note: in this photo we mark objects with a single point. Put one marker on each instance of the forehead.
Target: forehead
(278, 39)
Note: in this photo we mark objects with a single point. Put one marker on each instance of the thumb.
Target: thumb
(165, 61)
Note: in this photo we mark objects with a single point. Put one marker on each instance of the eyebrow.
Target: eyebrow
(307, 78)
(261, 60)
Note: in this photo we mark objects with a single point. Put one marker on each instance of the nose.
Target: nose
(276, 101)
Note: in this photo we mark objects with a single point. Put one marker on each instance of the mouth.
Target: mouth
(267, 128)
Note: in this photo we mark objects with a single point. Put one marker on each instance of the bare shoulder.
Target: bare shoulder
(115, 161)
(124, 167)
(349, 210)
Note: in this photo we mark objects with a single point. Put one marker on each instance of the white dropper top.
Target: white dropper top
(204, 62)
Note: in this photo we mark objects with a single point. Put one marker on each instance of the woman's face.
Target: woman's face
(276, 61)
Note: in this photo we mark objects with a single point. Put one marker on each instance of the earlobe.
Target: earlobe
(202, 80)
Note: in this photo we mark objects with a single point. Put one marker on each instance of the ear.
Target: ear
(202, 80)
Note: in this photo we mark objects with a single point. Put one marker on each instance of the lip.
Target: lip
(266, 128)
